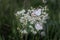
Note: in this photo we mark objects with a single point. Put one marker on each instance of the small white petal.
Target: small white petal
(37, 12)
(38, 27)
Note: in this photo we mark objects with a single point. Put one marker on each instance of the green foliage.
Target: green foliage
(53, 22)
(36, 3)
(8, 21)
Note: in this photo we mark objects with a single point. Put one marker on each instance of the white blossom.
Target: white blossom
(37, 12)
(30, 26)
(38, 26)
(29, 10)
(44, 1)
(24, 32)
(31, 22)
(18, 12)
(22, 19)
(35, 16)
(43, 33)
(34, 32)
(22, 11)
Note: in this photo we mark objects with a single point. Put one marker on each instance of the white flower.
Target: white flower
(38, 26)
(23, 14)
(37, 12)
(18, 28)
(32, 14)
(43, 33)
(29, 18)
(22, 19)
(18, 12)
(32, 19)
(34, 32)
(31, 22)
(24, 32)
(30, 26)
(21, 31)
(22, 11)
(29, 10)
(44, 13)
(38, 18)
(32, 10)
(44, 1)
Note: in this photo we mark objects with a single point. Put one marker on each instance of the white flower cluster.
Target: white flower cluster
(32, 17)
